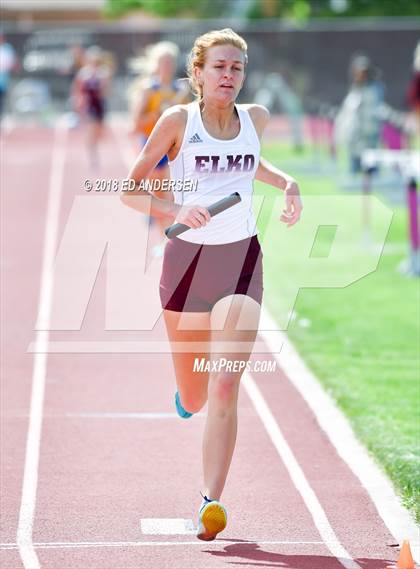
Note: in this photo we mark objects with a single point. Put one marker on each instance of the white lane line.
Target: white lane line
(297, 475)
(30, 475)
(337, 427)
(93, 544)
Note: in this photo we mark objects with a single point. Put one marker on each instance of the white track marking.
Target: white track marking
(93, 544)
(167, 526)
(338, 429)
(297, 475)
(30, 475)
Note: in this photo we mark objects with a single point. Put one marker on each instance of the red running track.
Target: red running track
(104, 464)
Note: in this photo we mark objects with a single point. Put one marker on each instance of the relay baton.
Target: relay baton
(214, 209)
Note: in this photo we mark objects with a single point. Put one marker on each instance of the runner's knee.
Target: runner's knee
(223, 388)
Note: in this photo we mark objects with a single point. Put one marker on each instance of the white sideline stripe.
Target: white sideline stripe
(86, 544)
(30, 475)
(297, 475)
(338, 429)
(167, 526)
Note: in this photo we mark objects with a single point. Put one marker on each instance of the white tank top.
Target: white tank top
(214, 169)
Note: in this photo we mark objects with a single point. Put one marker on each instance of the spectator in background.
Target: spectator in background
(8, 64)
(358, 122)
(91, 87)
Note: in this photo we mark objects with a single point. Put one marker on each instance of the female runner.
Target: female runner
(91, 87)
(212, 274)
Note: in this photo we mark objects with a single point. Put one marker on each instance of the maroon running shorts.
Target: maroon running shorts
(194, 276)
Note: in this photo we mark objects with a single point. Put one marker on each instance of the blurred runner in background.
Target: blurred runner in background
(154, 92)
(91, 87)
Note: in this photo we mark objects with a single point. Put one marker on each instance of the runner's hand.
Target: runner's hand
(293, 209)
(193, 216)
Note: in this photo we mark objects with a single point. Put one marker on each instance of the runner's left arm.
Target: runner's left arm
(269, 174)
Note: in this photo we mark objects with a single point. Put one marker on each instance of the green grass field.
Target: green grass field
(361, 339)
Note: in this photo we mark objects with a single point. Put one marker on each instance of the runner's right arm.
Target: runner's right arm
(165, 136)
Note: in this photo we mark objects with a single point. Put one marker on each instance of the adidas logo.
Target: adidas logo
(195, 138)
